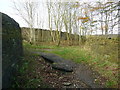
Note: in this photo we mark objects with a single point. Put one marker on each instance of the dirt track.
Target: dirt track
(81, 77)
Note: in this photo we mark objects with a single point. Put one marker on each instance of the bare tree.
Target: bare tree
(27, 10)
(65, 18)
(50, 19)
(68, 20)
(40, 25)
(57, 15)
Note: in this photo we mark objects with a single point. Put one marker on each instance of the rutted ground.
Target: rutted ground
(81, 77)
(58, 79)
(45, 76)
(38, 73)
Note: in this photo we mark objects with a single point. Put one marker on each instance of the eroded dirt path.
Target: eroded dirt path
(81, 77)
(56, 78)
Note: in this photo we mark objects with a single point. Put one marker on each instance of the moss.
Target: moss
(99, 61)
(11, 48)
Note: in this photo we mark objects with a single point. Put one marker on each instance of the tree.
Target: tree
(65, 18)
(50, 19)
(58, 21)
(27, 10)
(106, 13)
(40, 26)
(68, 20)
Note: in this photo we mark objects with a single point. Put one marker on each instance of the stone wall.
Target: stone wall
(11, 49)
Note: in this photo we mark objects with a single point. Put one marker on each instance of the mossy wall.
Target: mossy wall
(42, 35)
(11, 49)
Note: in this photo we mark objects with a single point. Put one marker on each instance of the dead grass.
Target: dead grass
(27, 76)
(99, 53)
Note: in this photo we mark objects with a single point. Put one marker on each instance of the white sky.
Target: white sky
(6, 7)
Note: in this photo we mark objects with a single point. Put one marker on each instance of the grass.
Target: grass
(72, 53)
(98, 62)
(26, 76)
(107, 48)
(27, 45)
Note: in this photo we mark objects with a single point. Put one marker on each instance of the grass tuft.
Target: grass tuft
(99, 62)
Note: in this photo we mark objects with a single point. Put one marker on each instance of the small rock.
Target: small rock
(60, 77)
(39, 85)
(74, 85)
(67, 84)
(95, 80)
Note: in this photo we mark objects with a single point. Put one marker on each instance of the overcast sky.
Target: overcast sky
(6, 7)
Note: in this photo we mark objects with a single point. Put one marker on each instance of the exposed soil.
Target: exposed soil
(40, 69)
(56, 78)
(81, 77)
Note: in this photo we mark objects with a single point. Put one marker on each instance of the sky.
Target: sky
(6, 7)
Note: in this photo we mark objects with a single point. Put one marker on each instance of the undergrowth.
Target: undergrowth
(26, 76)
(82, 54)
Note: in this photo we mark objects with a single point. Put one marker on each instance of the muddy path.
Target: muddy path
(81, 77)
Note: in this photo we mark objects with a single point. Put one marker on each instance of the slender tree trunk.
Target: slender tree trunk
(102, 23)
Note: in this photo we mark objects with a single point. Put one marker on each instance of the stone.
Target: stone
(63, 67)
(12, 50)
(51, 57)
(67, 84)
(58, 62)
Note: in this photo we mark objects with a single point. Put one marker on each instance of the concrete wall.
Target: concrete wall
(45, 36)
(42, 35)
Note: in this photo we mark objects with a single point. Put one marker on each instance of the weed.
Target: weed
(99, 62)
(110, 83)
(26, 75)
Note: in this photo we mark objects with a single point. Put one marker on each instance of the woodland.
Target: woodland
(86, 33)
